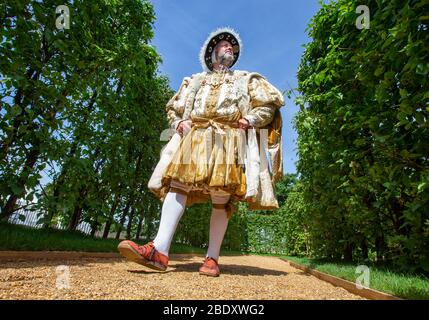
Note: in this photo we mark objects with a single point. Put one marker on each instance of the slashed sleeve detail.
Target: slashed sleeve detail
(176, 106)
(264, 100)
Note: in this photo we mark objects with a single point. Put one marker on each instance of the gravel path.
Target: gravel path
(242, 277)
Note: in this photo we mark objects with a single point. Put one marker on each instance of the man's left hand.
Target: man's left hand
(243, 124)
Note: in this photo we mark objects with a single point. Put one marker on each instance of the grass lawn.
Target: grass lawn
(21, 238)
(404, 285)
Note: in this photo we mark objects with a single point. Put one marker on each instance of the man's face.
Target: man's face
(224, 47)
(224, 52)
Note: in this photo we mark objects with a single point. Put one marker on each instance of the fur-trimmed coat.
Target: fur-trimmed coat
(259, 102)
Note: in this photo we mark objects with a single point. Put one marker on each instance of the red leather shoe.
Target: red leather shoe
(210, 268)
(145, 255)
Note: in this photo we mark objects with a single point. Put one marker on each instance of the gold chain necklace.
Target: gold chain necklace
(213, 95)
(219, 79)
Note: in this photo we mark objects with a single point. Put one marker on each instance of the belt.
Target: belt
(219, 123)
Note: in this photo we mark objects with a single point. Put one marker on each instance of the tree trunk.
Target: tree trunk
(124, 215)
(110, 220)
(130, 223)
(348, 252)
(77, 212)
(380, 246)
(31, 160)
(94, 227)
(74, 221)
(130, 201)
(139, 226)
(364, 247)
(53, 206)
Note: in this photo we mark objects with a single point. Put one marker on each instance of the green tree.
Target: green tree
(83, 104)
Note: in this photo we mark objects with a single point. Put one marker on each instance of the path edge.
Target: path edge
(351, 287)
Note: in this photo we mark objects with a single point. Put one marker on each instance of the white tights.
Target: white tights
(172, 211)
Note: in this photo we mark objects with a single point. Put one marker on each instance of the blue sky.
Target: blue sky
(272, 31)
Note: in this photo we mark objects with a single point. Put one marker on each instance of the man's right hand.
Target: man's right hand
(184, 127)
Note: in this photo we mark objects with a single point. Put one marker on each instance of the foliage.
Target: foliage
(82, 108)
(363, 133)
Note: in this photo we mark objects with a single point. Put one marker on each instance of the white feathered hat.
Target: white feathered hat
(207, 50)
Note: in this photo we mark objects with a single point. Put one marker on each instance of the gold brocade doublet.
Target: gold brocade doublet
(208, 156)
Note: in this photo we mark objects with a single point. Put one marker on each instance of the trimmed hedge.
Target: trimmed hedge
(363, 133)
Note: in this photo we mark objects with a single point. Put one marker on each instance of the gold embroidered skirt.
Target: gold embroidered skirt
(210, 155)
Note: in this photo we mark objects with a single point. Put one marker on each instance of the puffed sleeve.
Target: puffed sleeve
(264, 100)
(176, 106)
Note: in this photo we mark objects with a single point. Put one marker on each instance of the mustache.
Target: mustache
(227, 57)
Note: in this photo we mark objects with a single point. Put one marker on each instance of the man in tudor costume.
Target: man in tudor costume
(225, 123)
